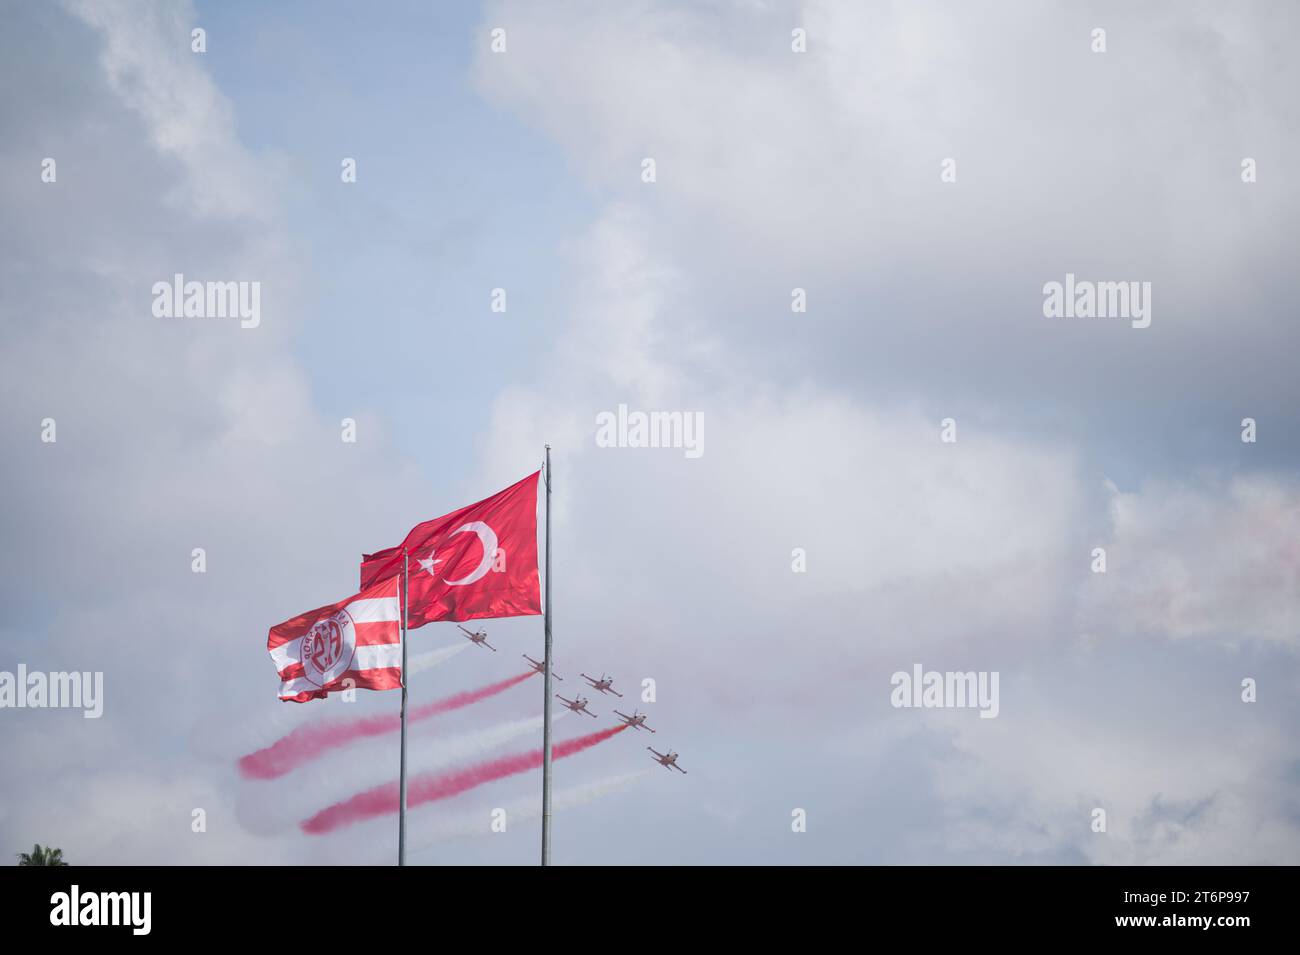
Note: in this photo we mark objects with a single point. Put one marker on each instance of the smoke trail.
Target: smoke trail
(466, 698)
(267, 807)
(216, 737)
(382, 800)
(478, 823)
(427, 661)
(309, 742)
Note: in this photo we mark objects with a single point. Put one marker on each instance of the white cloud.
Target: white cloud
(148, 63)
(966, 556)
(171, 435)
(1205, 558)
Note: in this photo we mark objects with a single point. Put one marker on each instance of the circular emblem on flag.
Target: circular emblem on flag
(328, 647)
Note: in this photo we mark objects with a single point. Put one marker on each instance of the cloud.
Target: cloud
(147, 62)
(821, 170)
(171, 436)
(776, 172)
(1210, 558)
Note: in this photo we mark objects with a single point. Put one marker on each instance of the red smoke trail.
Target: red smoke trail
(308, 742)
(383, 800)
(464, 699)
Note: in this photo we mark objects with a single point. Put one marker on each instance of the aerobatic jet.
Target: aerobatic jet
(540, 667)
(578, 706)
(604, 684)
(667, 760)
(478, 637)
(636, 721)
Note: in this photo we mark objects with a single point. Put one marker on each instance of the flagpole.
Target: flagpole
(401, 809)
(546, 683)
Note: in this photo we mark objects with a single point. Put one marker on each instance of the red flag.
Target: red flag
(356, 642)
(479, 561)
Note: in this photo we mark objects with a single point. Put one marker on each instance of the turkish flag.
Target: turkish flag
(479, 561)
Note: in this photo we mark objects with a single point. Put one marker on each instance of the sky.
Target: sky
(919, 170)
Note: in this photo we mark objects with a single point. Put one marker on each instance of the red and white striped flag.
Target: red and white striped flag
(356, 642)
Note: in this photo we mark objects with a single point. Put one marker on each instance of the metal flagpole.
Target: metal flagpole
(546, 682)
(401, 808)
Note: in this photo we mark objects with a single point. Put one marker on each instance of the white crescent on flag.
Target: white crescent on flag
(450, 579)
(488, 538)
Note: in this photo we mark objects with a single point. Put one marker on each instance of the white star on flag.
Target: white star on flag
(427, 563)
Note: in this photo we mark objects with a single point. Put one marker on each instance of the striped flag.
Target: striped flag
(355, 643)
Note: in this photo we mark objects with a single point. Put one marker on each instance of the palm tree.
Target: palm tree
(39, 856)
